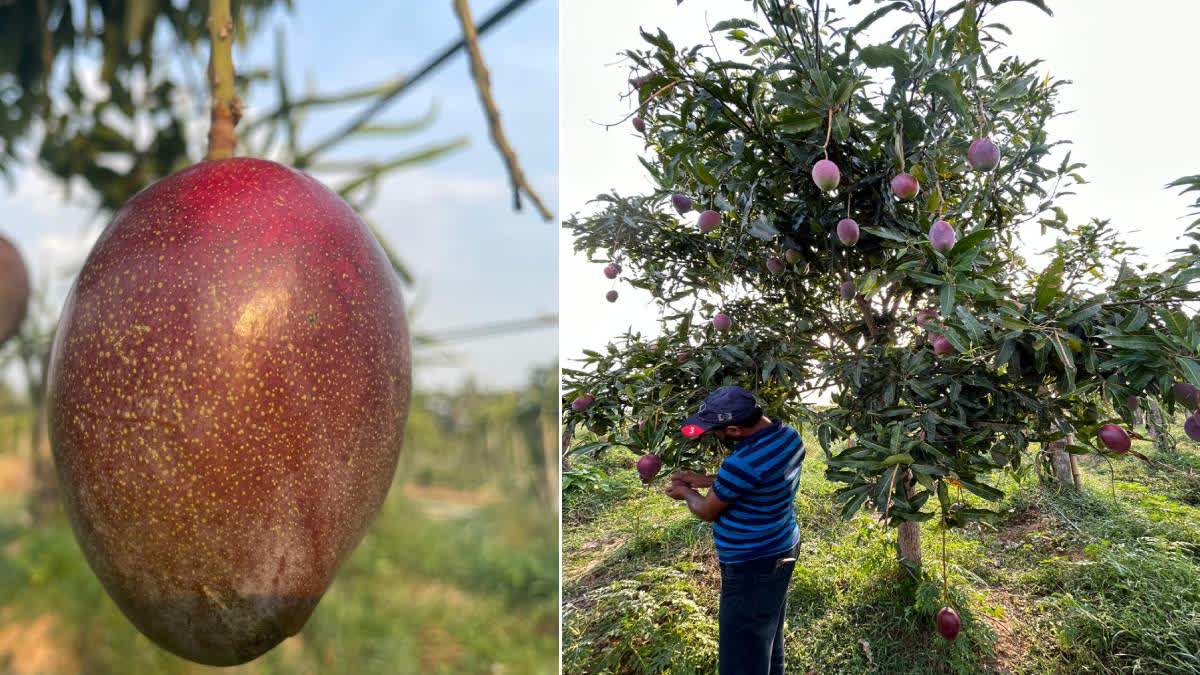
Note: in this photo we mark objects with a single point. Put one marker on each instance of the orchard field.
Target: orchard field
(839, 212)
(1062, 582)
(457, 574)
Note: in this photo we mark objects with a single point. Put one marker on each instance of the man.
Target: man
(751, 506)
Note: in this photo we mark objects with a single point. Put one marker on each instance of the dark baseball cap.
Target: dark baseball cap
(723, 407)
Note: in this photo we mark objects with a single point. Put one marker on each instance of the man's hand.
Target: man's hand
(677, 489)
(693, 479)
(706, 508)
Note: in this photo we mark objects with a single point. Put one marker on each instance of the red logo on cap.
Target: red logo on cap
(692, 430)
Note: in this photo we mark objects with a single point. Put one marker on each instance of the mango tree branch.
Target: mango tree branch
(483, 83)
(226, 107)
(865, 308)
(402, 84)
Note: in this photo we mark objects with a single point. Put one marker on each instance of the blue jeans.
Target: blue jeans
(753, 603)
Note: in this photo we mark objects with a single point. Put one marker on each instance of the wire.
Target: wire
(495, 329)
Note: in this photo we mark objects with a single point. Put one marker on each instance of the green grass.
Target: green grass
(452, 577)
(1061, 583)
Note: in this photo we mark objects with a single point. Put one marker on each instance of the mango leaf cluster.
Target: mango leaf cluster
(82, 122)
(1037, 353)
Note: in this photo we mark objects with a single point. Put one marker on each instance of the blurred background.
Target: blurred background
(98, 99)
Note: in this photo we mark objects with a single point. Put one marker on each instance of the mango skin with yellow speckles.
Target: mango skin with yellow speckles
(228, 391)
(14, 290)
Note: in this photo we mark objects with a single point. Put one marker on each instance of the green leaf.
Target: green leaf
(888, 233)
(1013, 89)
(956, 340)
(730, 65)
(971, 242)
(985, 491)
(898, 458)
(1064, 356)
(974, 328)
(927, 470)
(1147, 343)
(853, 506)
(946, 299)
(947, 86)
(793, 122)
(703, 175)
(1049, 285)
(731, 24)
(661, 41)
(1086, 312)
(1191, 369)
(883, 56)
(1005, 353)
(875, 16)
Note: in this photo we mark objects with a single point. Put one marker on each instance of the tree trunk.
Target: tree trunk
(43, 497)
(1076, 478)
(908, 541)
(553, 482)
(1060, 461)
(568, 435)
(1153, 419)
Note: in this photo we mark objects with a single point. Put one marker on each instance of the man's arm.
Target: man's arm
(706, 508)
(693, 479)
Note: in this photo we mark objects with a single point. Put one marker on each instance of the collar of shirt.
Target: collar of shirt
(754, 437)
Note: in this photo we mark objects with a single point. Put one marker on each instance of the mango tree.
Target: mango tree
(945, 353)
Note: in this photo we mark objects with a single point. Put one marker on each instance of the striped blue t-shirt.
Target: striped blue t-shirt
(759, 480)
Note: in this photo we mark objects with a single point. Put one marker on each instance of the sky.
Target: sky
(1133, 123)
(475, 260)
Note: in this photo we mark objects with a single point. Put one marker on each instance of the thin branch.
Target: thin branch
(865, 308)
(402, 84)
(315, 100)
(641, 106)
(226, 106)
(483, 83)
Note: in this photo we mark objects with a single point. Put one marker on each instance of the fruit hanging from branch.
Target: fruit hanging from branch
(826, 175)
(1187, 395)
(775, 266)
(227, 397)
(722, 322)
(941, 345)
(14, 290)
(983, 155)
(639, 124)
(847, 231)
(582, 402)
(905, 186)
(611, 296)
(1191, 426)
(1114, 438)
(648, 467)
(948, 623)
(611, 270)
(709, 221)
(941, 236)
(682, 203)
